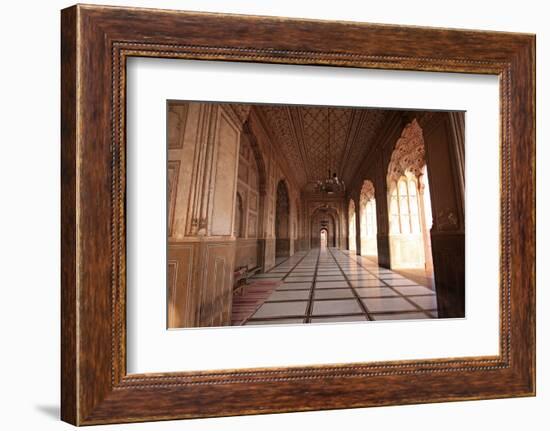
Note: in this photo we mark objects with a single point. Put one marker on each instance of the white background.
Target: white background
(29, 216)
(151, 348)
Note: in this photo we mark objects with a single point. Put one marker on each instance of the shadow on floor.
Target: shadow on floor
(52, 411)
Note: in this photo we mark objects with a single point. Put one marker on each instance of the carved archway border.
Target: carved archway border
(367, 193)
(408, 154)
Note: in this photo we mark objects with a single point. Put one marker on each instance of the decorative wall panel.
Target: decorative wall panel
(225, 182)
(216, 290)
(183, 294)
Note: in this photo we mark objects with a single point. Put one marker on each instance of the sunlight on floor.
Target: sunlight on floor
(328, 285)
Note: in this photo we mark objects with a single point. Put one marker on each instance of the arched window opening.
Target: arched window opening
(324, 218)
(409, 206)
(404, 206)
(251, 188)
(371, 218)
(324, 239)
(368, 225)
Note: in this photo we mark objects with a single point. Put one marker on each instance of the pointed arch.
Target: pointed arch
(410, 245)
(368, 223)
(257, 224)
(324, 217)
(323, 238)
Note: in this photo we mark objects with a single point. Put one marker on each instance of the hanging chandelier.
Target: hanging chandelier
(331, 184)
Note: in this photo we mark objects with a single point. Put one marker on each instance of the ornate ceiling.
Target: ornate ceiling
(316, 139)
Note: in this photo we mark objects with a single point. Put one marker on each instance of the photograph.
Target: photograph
(301, 214)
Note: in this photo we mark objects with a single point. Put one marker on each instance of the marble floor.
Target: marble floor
(331, 285)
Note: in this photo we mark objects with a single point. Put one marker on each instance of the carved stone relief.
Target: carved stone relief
(409, 153)
(446, 219)
(315, 139)
(367, 192)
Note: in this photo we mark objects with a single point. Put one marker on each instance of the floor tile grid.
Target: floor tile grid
(294, 266)
(296, 258)
(282, 280)
(276, 269)
(427, 312)
(350, 307)
(328, 269)
(330, 265)
(357, 297)
(312, 299)
(309, 308)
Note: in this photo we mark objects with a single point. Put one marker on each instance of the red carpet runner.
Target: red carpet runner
(255, 294)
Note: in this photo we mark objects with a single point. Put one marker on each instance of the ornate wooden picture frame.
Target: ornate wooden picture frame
(96, 41)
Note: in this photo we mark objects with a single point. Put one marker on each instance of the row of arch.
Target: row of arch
(408, 205)
(283, 224)
(367, 223)
(273, 224)
(408, 209)
(388, 215)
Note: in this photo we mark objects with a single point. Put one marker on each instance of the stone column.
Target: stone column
(426, 234)
(358, 227)
(447, 235)
(382, 222)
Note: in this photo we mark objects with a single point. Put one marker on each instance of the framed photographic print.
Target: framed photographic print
(268, 215)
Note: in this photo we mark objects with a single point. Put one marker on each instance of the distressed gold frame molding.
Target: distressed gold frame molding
(96, 42)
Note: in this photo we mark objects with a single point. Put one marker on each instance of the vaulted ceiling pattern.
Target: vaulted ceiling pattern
(316, 139)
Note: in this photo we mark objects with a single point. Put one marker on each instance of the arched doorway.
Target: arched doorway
(323, 235)
(252, 173)
(408, 197)
(352, 231)
(324, 218)
(367, 213)
(282, 221)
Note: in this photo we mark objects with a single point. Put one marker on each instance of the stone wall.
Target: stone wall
(222, 173)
